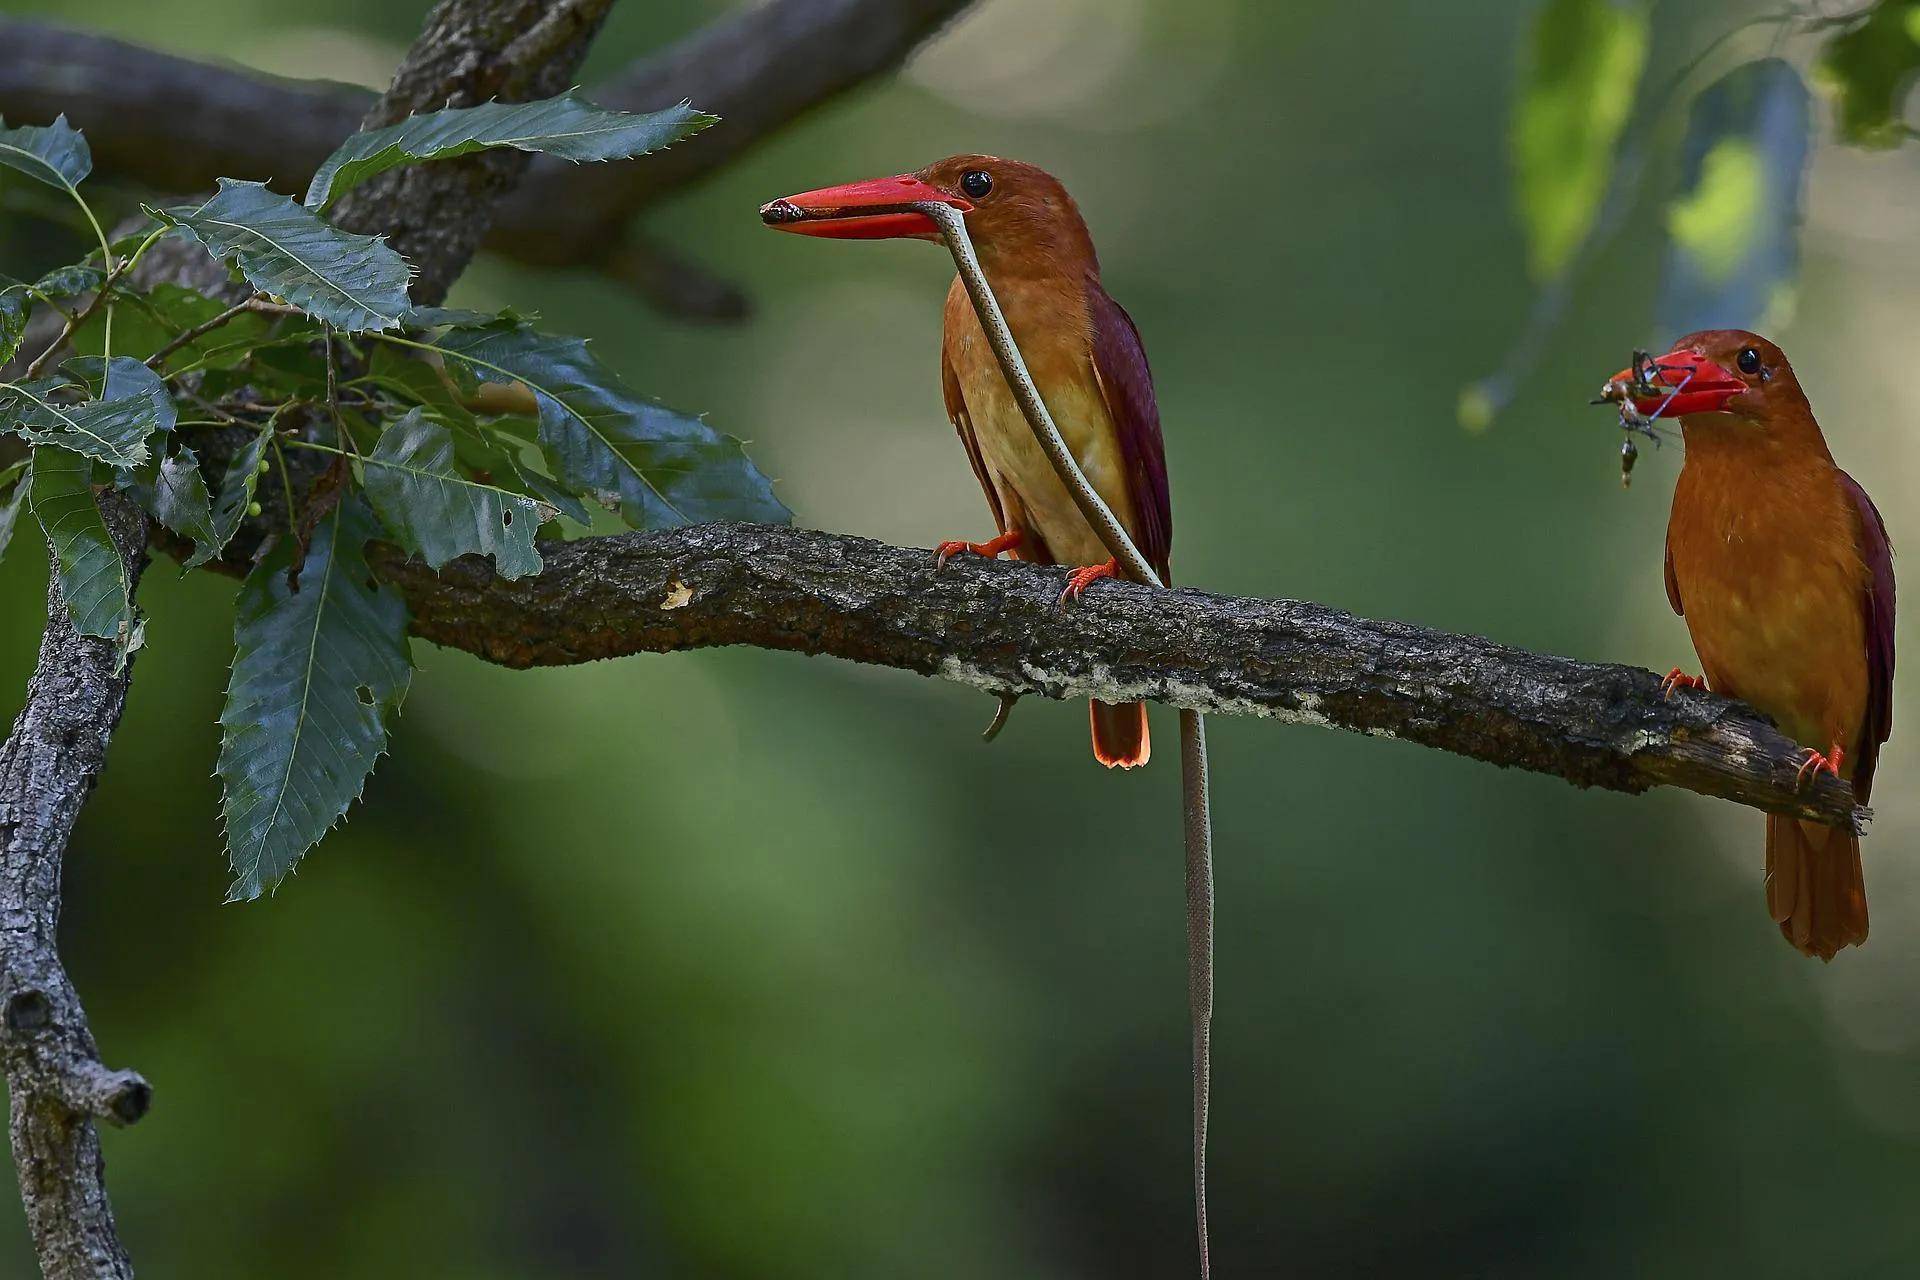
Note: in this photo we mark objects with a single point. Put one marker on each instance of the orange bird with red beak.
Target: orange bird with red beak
(1781, 566)
(1085, 357)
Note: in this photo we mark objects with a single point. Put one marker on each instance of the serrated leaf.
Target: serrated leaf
(1581, 69)
(354, 283)
(113, 427)
(56, 154)
(14, 482)
(173, 491)
(1734, 232)
(664, 468)
(236, 492)
(93, 577)
(16, 306)
(567, 126)
(438, 514)
(316, 675)
(1870, 70)
(70, 281)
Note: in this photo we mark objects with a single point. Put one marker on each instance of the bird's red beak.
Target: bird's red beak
(1699, 385)
(877, 209)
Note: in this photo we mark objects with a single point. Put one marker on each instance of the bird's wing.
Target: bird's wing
(1673, 586)
(1126, 384)
(1877, 551)
(957, 412)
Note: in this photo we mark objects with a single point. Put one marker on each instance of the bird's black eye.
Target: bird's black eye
(976, 183)
(1749, 361)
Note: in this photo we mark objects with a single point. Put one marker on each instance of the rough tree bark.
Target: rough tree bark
(996, 627)
(469, 51)
(56, 1083)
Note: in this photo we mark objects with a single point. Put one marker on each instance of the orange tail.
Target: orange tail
(1816, 889)
(1120, 739)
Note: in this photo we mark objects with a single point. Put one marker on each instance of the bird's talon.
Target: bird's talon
(1083, 578)
(1678, 679)
(948, 550)
(1815, 764)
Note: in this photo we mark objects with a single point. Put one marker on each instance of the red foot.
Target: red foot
(948, 550)
(1816, 764)
(1084, 578)
(1678, 679)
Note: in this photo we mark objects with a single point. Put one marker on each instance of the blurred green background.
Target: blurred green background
(738, 964)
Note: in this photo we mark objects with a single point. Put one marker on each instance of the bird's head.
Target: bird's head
(1015, 213)
(1724, 372)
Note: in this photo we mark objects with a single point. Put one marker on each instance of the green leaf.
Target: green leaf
(113, 428)
(144, 324)
(236, 492)
(172, 490)
(567, 126)
(93, 577)
(69, 281)
(435, 512)
(1869, 71)
(56, 154)
(1580, 72)
(14, 482)
(355, 283)
(662, 468)
(316, 675)
(1734, 231)
(16, 305)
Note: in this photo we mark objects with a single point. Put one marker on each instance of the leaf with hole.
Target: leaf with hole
(567, 126)
(437, 513)
(1581, 68)
(112, 427)
(663, 468)
(354, 283)
(317, 674)
(55, 154)
(93, 577)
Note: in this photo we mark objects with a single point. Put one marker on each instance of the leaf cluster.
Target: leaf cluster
(448, 433)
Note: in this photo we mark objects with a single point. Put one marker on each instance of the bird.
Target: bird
(1085, 356)
(1781, 566)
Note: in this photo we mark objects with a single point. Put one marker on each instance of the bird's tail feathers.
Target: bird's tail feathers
(1816, 887)
(1120, 738)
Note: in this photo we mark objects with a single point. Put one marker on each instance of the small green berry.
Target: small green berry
(253, 508)
(262, 468)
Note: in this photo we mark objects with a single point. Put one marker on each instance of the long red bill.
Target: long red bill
(1698, 385)
(877, 209)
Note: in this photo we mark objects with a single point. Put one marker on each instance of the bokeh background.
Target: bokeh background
(738, 964)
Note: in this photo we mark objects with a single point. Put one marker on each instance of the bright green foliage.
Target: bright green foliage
(316, 675)
(13, 496)
(112, 428)
(1582, 68)
(56, 154)
(151, 320)
(568, 126)
(660, 467)
(354, 283)
(437, 513)
(1870, 70)
(93, 577)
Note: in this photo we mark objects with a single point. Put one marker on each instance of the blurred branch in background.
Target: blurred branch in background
(176, 125)
(997, 627)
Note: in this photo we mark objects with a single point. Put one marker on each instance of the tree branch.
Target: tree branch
(56, 1083)
(995, 627)
(176, 124)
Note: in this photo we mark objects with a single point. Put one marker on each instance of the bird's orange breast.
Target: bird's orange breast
(1769, 573)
